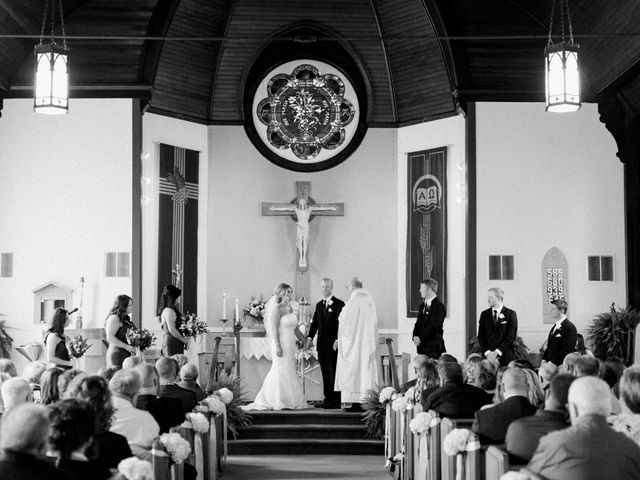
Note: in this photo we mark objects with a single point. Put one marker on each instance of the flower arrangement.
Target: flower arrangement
(423, 421)
(460, 440)
(387, 394)
(236, 416)
(140, 338)
(400, 404)
(197, 421)
(192, 326)
(374, 410)
(77, 346)
(133, 468)
(225, 395)
(177, 447)
(255, 308)
(215, 404)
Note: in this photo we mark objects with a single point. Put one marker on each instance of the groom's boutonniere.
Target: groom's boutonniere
(501, 316)
(329, 303)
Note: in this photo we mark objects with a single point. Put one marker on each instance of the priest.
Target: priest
(357, 369)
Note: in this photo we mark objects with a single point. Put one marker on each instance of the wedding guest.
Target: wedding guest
(524, 434)
(55, 340)
(428, 331)
(32, 373)
(427, 381)
(471, 368)
(49, 392)
(107, 448)
(15, 391)
(498, 393)
(612, 378)
(65, 379)
(589, 449)
(188, 377)
(491, 423)
(131, 362)
(167, 411)
(588, 366)
(628, 421)
(562, 336)
(107, 372)
(486, 375)
(73, 387)
(3, 378)
(497, 328)
(455, 399)
(535, 392)
(546, 373)
(417, 363)
(137, 426)
(8, 367)
(181, 360)
(447, 358)
(116, 326)
(71, 431)
(615, 366)
(24, 433)
(580, 346)
(170, 318)
(166, 368)
(569, 363)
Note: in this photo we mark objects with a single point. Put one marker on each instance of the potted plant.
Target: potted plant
(5, 339)
(612, 333)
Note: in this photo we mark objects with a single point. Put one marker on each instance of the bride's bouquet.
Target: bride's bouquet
(255, 308)
(78, 346)
(192, 326)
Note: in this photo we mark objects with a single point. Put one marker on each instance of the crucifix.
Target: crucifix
(302, 209)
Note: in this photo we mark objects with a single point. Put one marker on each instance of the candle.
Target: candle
(237, 311)
(224, 305)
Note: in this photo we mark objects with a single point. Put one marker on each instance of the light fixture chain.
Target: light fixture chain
(53, 19)
(44, 20)
(553, 7)
(562, 2)
(570, 26)
(64, 37)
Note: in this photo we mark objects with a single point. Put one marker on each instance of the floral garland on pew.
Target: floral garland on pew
(421, 424)
(236, 397)
(458, 442)
(133, 468)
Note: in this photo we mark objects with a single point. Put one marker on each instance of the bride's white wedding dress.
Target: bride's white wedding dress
(281, 388)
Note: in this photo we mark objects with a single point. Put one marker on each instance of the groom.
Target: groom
(325, 322)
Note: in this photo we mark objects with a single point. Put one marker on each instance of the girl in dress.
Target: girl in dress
(56, 341)
(117, 324)
(173, 342)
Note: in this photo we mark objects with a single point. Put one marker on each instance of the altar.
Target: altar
(255, 360)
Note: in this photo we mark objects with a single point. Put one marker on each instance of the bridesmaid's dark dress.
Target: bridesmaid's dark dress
(61, 350)
(170, 344)
(117, 354)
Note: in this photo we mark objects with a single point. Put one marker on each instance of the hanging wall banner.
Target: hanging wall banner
(427, 224)
(178, 223)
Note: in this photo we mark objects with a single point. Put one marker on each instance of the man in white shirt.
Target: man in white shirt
(137, 426)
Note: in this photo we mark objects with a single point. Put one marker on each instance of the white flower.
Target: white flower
(133, 468)
(226, 395)
(501, 316)
(400, 404)
(177, 447)
(215, 405)
(329, 302)
(386, 394)
(198, 421)
(410, 394)
(456, 441)
(202, 408)
(423, 421)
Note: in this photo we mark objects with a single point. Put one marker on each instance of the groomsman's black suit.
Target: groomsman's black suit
(325, 322)
(561, 342)
(499, 333)
(428, 328)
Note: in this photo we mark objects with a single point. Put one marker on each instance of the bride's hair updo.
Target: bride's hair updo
(281, 290)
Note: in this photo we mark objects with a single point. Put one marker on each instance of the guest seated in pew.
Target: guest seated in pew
(455, 399)
(166, 411)
(491, 423)
(612, 377)
(8, 367)
(24, 432)
(131, 362)
(471, 367)
(524, 434)
(181, 359)
(417, 363)
(588, 366)
(72, 429)
(589, 449)
(535, 392)
(569, 363)
(137, 426)
(546, 373)
(166, 368)
(66, 378)
(15, 391)
(49, 386)
(32, 373)
(107, 448)
(107, 372)
(628, 421)
(188, 377)
(486, 376)
(447, 358)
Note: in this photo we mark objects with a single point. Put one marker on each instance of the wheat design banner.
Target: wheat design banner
(178, 223)
(426, 224)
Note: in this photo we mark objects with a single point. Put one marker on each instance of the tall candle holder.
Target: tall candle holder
(224, 326)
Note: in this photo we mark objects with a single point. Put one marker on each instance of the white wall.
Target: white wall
(548, 180)
(449, 132)
(65, 191)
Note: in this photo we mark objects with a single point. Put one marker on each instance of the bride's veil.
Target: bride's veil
(269, 309)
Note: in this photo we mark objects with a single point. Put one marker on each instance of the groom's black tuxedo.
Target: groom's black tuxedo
(325, 323)
(499, 333)
(428, 328)
(561, 342)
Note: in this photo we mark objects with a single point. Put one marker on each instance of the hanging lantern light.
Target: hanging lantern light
(562, 69)
(51, 68)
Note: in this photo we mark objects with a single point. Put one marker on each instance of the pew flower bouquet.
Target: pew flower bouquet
(133, 468)
(177, 447)
(192, 326)
(225, 395)
(400, 404)
(197, 421)
(387, 394)
(423, 421)
(140, 338)
(78, 346)
(215, 404)
(460, 440)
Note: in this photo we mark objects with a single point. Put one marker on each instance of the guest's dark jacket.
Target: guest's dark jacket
(491, 423)
(500, 335)
(588, 450)
(83, 470)
(325, 323)
(457, 400)
(561, 342)
(108, 449)
(17, 465)
(187, 397)
(167, 411)
(193, 387)
(524, 434)
(428, 328)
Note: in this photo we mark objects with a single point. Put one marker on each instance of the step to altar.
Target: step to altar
(310, 431)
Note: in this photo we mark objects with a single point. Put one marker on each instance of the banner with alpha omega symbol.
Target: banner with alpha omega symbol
(427, 224)
(178, 223)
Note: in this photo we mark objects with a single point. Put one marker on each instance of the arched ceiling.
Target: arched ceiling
(420, 59)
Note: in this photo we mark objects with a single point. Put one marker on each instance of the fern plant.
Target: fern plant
(6, 341)
(374, 412)
(611, 333)
(236, 416)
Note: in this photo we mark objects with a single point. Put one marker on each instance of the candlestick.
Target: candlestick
(224, 305)
(237, 311)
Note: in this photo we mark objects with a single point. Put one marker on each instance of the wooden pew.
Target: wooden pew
(163, 468)
(497, 463)
(473, 468)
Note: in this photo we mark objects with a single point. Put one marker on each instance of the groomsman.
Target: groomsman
(497, 328)
(427, 332)
(325, 323)
(562, 336)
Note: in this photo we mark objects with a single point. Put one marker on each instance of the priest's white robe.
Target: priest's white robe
(357, 368)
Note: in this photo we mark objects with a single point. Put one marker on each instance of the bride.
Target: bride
(281, 388)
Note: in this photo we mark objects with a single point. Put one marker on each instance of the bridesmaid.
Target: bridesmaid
(170, 317)
(117, 324)
(56, 342)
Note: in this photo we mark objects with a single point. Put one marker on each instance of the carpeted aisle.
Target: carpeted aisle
(307, 467)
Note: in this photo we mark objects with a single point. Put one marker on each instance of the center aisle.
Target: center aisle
(307, 467)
